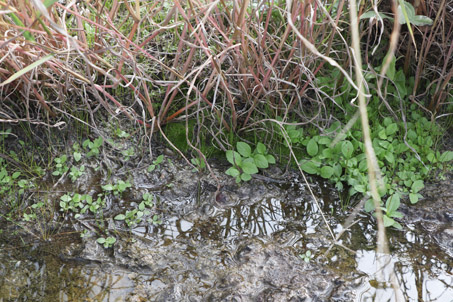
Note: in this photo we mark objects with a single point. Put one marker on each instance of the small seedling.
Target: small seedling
(61, 166)
(121, 133)
(77, 155)
(307, 256)
(156, 220)
(199, 164)
(156, 163)
(128, 153)
(106, 242)
(117, 188)
(93, 146)
(135, 216)
(75, 172)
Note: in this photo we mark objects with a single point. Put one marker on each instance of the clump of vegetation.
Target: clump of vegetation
(246, 163)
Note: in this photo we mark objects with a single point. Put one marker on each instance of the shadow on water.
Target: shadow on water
(188, 257)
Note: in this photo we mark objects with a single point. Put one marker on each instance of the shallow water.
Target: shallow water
(241, 246)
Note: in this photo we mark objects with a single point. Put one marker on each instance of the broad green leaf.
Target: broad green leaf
(312, 147)
(249, 168)
(261, 148)
(327, 153)
(309, 167)
(246, 176)
(261, 161)
(372, 15)
(77, 156)
(233, 157)
(390, 157)
(232, 172)
(369, 205)
(382, 134)
(413, 197)
(270, 158)
(391, 129)
(324, 140)
(417, 186)
(393, 203)
(431, 157)
(420, 20)
(406, 12)
(326, 172)
(110, 240)
(360, 188)
(446, 156)
(347, 149)
(120, 217)
(100, 240)
(388, 221)
(387, 121)
(244, 149)
(158, 160)
(108, 187)
(15, 175)
(337, 170)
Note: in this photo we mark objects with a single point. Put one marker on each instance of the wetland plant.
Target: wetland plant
(245, 163)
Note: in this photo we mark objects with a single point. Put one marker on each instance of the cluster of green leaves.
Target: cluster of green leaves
(107, 242)
(405, 151)
(246, 163)
(117, 188)
(156, 163)
(93, 147)
(81, 203)
(135, 216)
(307, 256)
(61, 165)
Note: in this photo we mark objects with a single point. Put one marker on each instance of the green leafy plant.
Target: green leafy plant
(404, 150)
(79, 204)
(307, 256)
(135, 216)
(77, 155)
(117, 188)
(156, 163)
(107, 242)
(61, 166)
(246, 163)
(200, 165)
(76, 172)
(93, 147)
(128, 153)
(121, 133)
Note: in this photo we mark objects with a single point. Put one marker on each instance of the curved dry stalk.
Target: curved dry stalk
(373, 167)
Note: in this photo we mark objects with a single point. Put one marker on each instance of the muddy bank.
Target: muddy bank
(242, 243)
